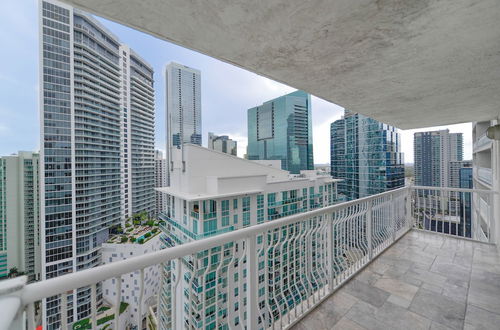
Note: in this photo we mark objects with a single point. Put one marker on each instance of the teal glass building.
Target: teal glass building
(281, 129)
(366, 154)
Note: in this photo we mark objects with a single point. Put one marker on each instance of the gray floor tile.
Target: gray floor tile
(439, 308)
(479, 318)
(424, 281)
(396, 287)
(367, 293)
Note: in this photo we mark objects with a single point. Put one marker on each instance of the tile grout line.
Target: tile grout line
(468, 284)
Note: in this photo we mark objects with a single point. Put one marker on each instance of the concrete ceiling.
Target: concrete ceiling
(410, 63)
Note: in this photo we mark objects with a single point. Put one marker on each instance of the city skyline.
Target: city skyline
(19, 110)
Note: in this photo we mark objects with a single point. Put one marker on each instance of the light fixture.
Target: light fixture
(493, 132)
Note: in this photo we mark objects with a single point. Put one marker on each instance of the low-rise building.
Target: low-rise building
(135, 240)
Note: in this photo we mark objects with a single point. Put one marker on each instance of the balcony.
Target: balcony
(424, 281)
(410, 257)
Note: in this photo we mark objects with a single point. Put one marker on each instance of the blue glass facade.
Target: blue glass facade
(281, 129)
(366, 154)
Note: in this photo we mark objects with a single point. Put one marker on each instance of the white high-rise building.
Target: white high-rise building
(19, 214)
(213, 193)
(97, 145)
(433, 152)
(183, 115)
(138, 133)
(222, 143)
(160, 180)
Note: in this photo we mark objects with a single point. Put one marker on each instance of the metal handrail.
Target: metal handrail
(46, 288)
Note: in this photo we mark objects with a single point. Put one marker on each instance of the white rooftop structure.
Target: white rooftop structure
(212, 174)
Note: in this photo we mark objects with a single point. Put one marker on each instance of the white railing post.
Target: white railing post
(393, 216)
(12, 313)
(330, 248)
(252, 271)
(369, 226)
(409, 213)
(492, 235)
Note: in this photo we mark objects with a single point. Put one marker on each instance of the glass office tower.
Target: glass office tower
(97, 129)
(281, 129)
(367, 155)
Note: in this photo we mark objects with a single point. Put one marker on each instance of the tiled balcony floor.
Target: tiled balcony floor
(424, 281)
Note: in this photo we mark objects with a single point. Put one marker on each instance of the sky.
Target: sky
(227, 91)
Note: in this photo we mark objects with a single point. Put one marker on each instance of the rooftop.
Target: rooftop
(136, 232)
(424, 281)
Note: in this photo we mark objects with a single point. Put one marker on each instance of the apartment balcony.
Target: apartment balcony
(423, 281)
(408, 258)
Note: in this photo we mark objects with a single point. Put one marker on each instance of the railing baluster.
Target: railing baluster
(64, 311)
(252, 273)
(369, 229)
(118, 301)
(93, 305)
(30, 314)
(141, 295)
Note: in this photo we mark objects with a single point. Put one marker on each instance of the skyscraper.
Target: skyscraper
(183, 115)
(281, 129)
(19, 214)
(222, 143)
(366, 154)
(138, 133)
(97, 127)
(160, 179)
(433, 152)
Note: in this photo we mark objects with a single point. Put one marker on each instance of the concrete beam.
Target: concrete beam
(410, 63)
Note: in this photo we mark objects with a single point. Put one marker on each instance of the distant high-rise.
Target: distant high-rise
(19, 214)
(282, 129)
(366, 154)
(183, 115)
(138, 133)
(222, 143)
(161, 180)
(434, 151)
(97, 145)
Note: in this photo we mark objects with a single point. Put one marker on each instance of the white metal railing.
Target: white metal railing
(286, 267)
(302, 258)
(455, 211)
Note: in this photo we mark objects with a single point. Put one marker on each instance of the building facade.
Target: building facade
(366, 155)
(161, 180)
(19, 215)
(96, 134)
(486, 176)
(433, 153)
(130, 284)
(183, 113)
(465, 178)
(215, 194)
(222, 143)
(282, 129)
(138, 133)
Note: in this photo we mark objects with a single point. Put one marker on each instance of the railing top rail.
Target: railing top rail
(454, 189)
(54, 286)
